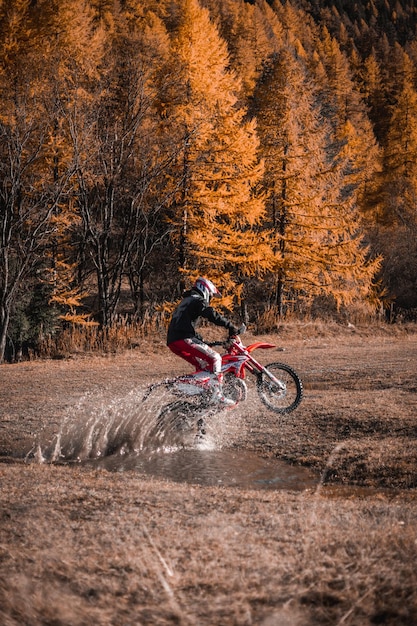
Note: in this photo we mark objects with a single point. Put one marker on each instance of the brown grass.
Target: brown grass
(81, 546)
(89, 339)
(85, 546)
(125, 333)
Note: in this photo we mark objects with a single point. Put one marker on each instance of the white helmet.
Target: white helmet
(206, 288)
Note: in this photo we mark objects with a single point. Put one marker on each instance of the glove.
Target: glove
(233, 331)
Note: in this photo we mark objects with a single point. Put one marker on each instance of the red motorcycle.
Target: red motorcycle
(279, 388)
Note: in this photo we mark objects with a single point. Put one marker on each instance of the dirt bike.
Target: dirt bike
(279, 388)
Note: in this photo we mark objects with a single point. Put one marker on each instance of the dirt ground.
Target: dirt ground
(80, 546)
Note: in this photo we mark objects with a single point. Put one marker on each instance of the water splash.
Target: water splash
(123, 434)
(100, 426)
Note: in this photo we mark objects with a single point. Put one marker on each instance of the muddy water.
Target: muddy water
(119, 436)
(230, 468)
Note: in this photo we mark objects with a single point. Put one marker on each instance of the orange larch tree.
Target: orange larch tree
(394, 216)
(216, 208)
(316, 228)
(31, 191)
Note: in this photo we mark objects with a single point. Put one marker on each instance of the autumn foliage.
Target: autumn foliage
(269, 145)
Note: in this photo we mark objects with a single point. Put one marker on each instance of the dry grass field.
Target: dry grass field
(81, 545)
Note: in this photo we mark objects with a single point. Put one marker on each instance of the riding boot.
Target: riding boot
(217, 397)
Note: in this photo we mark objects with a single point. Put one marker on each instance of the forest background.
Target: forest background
(270, 145)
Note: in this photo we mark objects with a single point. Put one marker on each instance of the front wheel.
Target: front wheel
(282, 390)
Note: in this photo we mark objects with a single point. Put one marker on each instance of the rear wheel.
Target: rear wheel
(281, 392)
(234, 388)
(177, 424)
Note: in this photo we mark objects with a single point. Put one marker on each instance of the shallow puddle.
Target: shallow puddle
(229, 468)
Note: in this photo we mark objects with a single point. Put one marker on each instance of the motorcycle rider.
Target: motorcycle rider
(183, 340)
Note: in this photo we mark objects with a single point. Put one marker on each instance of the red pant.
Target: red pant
(197, 353)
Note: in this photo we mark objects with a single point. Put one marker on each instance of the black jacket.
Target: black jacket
(185, 317)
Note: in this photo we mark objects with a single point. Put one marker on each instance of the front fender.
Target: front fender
(260, 344)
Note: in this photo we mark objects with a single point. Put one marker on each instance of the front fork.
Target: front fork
(257, 369)
(253, 366)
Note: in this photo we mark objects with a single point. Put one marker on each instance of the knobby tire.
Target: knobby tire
(176, 422)
(276, 399)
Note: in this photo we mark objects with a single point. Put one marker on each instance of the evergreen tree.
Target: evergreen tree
(343, 107)
(316, 231)
(371, 82)
(395, 214)
(252, 33)
(215, 207)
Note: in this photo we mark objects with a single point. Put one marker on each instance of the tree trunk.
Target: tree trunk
(279, 299)
(4, 326)
(183, 244)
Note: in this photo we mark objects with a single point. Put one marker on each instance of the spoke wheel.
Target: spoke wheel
(234, 388)
(177, 423)
(283, 394)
